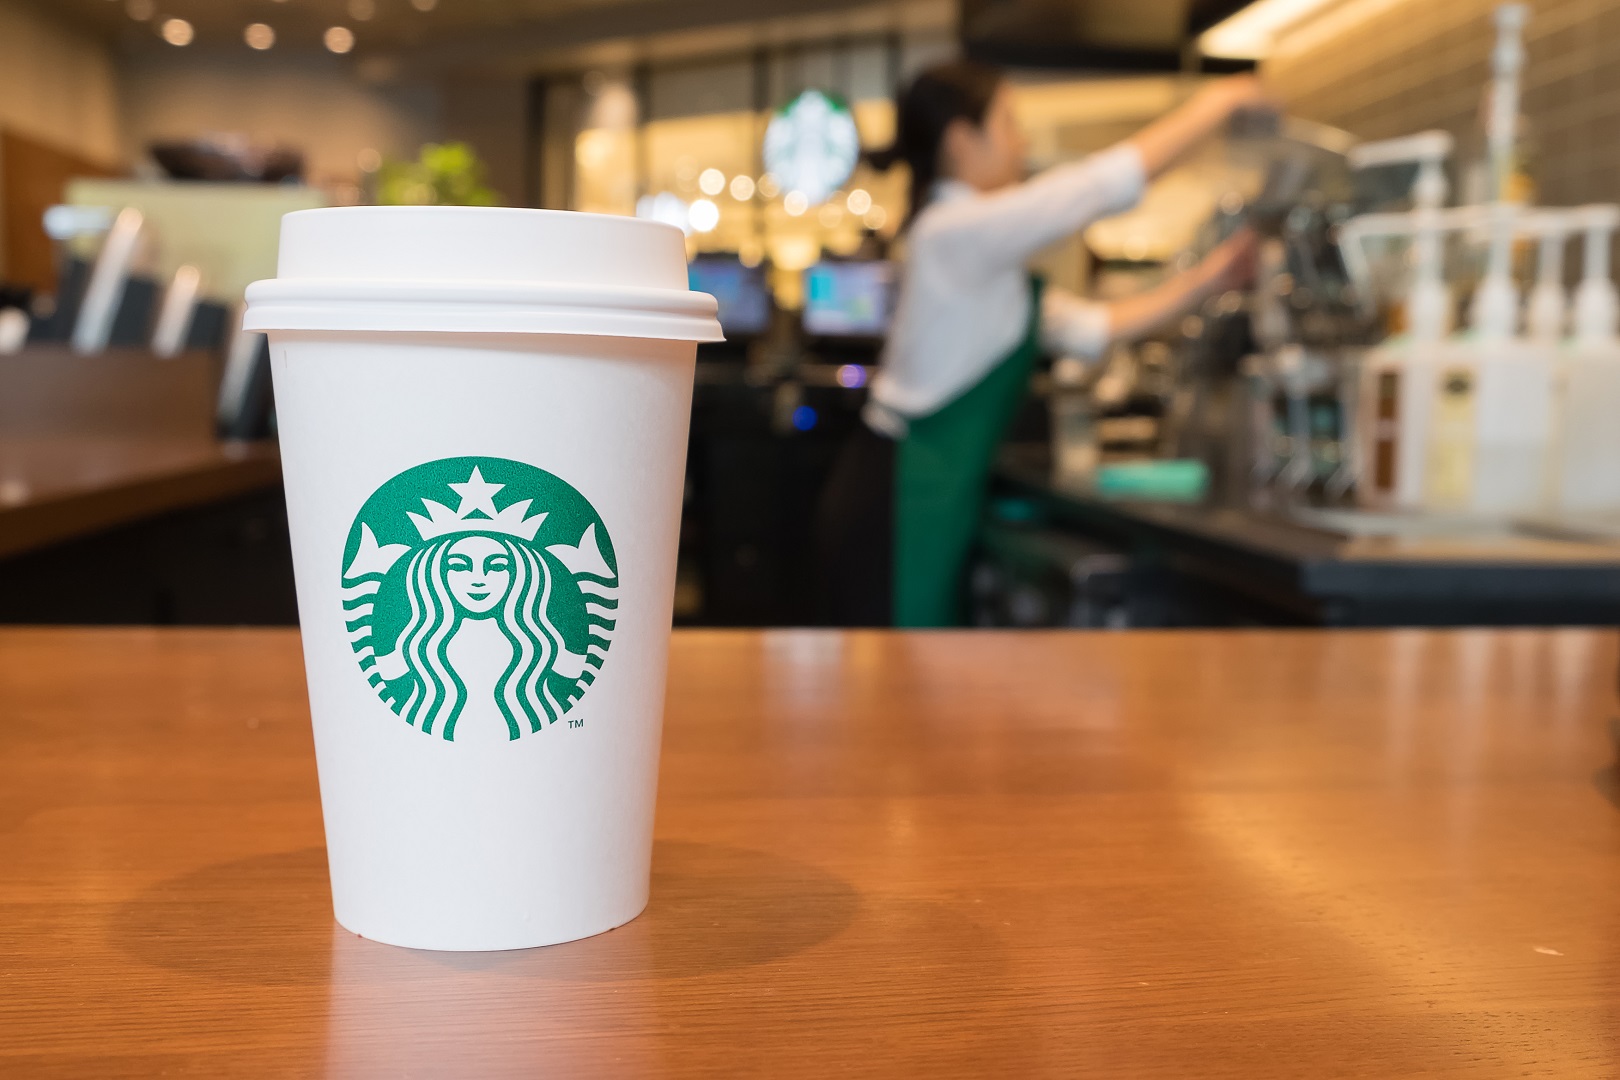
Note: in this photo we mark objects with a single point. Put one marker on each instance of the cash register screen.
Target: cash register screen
(745, 305)
(848, 299)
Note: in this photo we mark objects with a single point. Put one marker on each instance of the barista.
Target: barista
(899, 515)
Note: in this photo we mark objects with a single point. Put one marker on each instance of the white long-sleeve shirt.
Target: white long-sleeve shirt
(964, 296)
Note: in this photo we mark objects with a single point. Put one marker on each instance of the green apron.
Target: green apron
(942, 471)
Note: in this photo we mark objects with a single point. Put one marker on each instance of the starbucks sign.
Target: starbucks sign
(812, 146)
(480, 597)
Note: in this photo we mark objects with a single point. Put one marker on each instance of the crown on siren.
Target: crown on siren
(476, 513)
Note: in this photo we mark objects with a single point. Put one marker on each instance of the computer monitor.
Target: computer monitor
(745, 299)
(848, 299)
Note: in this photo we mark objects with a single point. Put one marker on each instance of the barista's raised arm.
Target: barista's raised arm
(1165, 140)
(1004, 228)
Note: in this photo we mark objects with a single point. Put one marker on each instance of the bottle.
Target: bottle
(1492, 423)
(1586, 470)
(1396, 393)
(1491, 427)
(1500, 149)
(1548, 314)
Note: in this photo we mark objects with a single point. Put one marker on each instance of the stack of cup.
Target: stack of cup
(483, 418)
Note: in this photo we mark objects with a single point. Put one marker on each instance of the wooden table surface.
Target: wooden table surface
(1182, 854)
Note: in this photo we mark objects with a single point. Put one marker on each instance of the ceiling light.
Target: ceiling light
(875, 218)
(742, 187)
(177, 32)
(795, 203)
(711, 181)
(361, 10)
(1249, 34)
(141, 10)
(339, 39)
(259, 36)
(859, 201)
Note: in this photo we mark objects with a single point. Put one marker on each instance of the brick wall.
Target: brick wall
(1392, 67)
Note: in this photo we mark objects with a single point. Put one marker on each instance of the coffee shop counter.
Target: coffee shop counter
(118, 502)
(1329, 568)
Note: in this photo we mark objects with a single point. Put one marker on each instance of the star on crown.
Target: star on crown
(476, 513)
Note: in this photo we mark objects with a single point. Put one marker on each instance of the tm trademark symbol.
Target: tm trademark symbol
(576, 723)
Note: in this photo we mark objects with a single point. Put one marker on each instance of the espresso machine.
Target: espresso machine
(1266, 384)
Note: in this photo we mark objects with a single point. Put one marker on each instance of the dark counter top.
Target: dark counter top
(92, 442)
(58, 488)
(1347, 568)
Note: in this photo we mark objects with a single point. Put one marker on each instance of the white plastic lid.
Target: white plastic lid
(480, 269)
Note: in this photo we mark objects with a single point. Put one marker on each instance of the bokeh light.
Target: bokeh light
(703, 215)
(339, 39)
(177, 32)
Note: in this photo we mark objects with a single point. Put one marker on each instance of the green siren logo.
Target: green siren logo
(486, 621)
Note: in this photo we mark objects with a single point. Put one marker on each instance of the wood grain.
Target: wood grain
(1179, 854)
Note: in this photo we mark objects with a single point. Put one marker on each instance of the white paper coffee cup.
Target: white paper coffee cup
(483, 418)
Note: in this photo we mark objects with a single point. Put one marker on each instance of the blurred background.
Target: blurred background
(1354, 441)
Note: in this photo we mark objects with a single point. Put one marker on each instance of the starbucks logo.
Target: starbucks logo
(490, 619)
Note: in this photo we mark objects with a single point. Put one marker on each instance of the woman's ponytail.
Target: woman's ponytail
(923, 110)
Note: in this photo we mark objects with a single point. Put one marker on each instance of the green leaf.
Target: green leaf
(444, 174)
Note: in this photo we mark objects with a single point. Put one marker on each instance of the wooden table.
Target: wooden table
(1178, 854)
